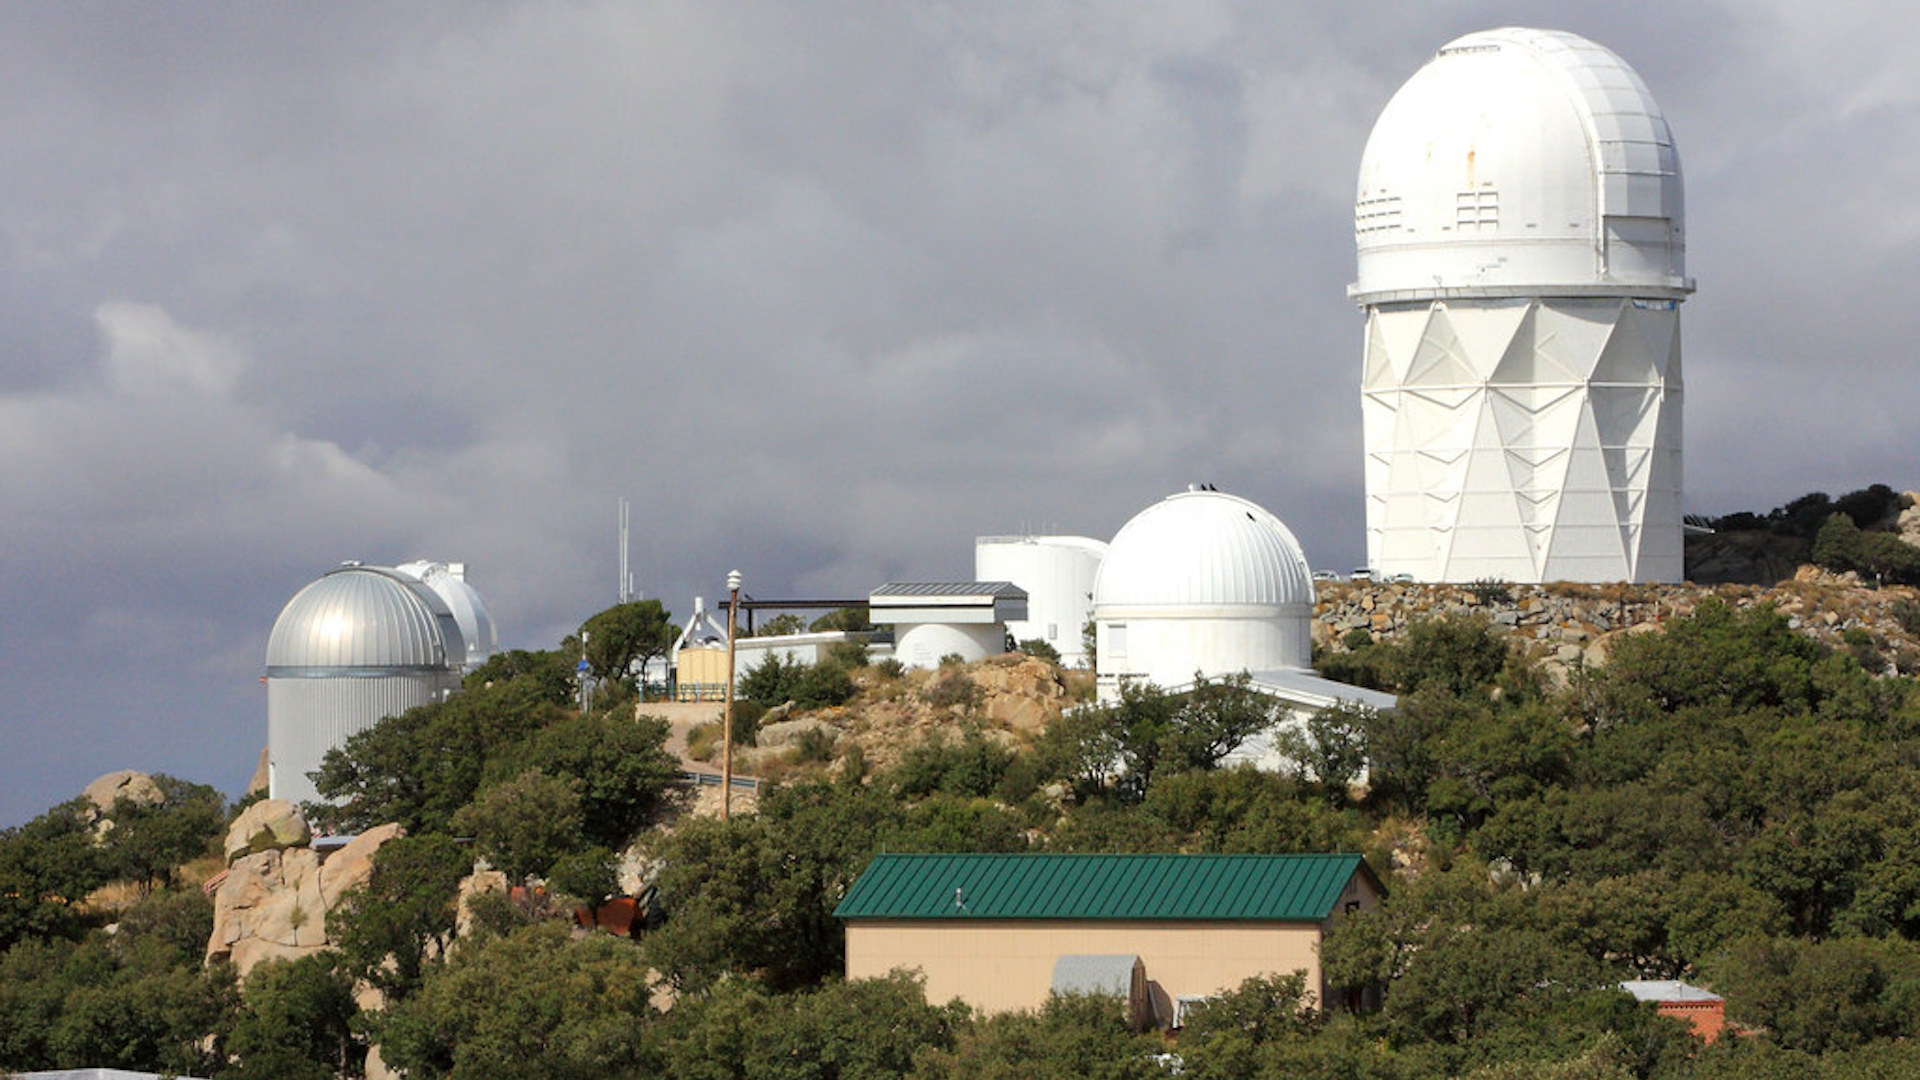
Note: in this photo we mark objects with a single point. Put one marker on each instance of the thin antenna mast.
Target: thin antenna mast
(625, 592)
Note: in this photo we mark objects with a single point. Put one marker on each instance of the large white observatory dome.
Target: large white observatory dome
(1201, 582)
(1203, 549)
(1520, 159)
(1522, 260)
(360, 644)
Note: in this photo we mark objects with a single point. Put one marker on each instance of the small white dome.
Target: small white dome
(1203, 549)
(365, 617)
(1520, 159)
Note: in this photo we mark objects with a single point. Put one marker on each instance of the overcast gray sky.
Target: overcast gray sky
(827, 289)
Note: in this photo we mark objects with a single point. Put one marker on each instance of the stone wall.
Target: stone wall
(1566, 625)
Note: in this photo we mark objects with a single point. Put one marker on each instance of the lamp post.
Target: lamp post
(726, 723)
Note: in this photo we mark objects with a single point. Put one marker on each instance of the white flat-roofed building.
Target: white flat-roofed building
(935, 619)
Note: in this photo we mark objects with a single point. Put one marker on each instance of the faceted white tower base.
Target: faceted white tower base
(1524, 439)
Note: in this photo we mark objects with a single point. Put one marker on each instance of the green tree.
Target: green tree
(1149, 732)
(548, 672)
(773, 681)
(589, 875)
(1068, 1038)
(1823, 996)
(1331, 748)
(391, 928)
(824, 685)
(103, 1003)
(297, 1021)
(147, 841)
(524, 825)
(1040, 649)
(1743, 660)
(1226, 1035)
(1462, 654)
(843, 619)
(179, 919)
(619, 762)
(46, 867)
(420, 767)
(620, 641)
(858, 1028)
(532, 1004)
(754, 896)
(1246, 811)
(973, 766)
(781, 625)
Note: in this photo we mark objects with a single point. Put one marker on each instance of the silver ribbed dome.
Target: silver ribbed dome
(365, 617)
(1203, 549)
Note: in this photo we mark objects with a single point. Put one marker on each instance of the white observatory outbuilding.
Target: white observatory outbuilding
(1203, 583)
(1058, 574)
(1522, 258)
(361, 644)
(936, 619)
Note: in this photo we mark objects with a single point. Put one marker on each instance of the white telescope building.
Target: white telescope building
(1522, 259)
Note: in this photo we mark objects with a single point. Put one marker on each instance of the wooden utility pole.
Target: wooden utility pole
(726, 723)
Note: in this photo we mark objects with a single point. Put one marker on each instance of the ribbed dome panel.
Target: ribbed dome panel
(1203, 549)
(360, 617)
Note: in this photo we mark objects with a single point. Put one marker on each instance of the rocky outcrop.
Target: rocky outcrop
(268, 825)
(1908, 523)
(1018, 692)
(262, 775)
(788, 732)
(477, 884)
(1006, 698)
(136, 787)
(1567, 625)
(274, 902)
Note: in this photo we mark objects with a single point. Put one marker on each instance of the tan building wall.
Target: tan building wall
(1002, 965)
(701, 674)
(1006, 964)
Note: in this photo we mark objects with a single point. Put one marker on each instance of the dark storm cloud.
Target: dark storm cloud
(825, 289)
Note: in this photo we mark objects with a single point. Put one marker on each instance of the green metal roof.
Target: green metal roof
(1278, 888)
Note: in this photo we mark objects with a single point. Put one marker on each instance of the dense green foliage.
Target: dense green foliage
(1878, 556)
(296, 1021)
(130, 1001)
(778, 679)
(1806, 515)
(619, 642)
(1727, 802)
(530, 1004)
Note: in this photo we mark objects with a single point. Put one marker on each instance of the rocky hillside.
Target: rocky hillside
(1566, 625)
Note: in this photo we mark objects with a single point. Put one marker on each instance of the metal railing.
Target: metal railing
(712, 779)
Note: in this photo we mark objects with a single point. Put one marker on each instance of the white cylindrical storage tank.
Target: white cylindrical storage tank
(1058, 573)
(360, 644)
(1521, 242)
(1201, 583)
